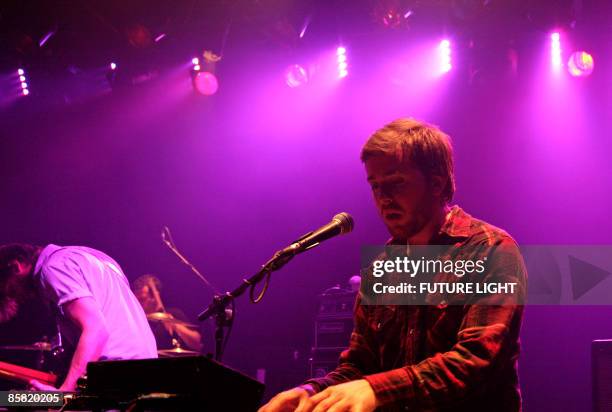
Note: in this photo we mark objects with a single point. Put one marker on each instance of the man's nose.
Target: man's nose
(384, 199)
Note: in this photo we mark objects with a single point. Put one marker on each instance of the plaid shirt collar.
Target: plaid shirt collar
(457, 225)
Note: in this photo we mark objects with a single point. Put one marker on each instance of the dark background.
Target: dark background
(242, 173)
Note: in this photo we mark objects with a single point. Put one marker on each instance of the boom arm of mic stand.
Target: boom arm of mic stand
(219, 302)
(218, 306)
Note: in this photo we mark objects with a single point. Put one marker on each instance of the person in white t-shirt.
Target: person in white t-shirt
(96, 307)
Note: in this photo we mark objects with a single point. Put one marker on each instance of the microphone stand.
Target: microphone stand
(218, 308)
(228, 314)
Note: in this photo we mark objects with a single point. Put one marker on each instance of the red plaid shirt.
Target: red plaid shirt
(445, 357)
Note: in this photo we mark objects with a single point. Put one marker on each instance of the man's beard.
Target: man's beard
(419, 219)
(16, 293)
(8, 309)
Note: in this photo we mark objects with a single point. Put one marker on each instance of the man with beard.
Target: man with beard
(97, 310)
(168, 335)
(424, 358)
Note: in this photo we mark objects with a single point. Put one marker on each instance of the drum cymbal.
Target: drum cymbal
(168, 353)
(36, 346)
(164, 317)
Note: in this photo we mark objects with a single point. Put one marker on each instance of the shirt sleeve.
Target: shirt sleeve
(63, 278)
(359, 358)
(487, 342)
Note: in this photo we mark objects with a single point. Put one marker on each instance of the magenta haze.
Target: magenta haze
(243, 174)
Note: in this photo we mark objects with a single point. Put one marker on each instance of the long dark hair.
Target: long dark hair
(14, 290)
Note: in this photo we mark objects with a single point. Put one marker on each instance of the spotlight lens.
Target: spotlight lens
(22, 78)
(296, 76)
(197, 67)
(555, 36)
(195, 60)
(580, 64)
(341, 50)
(20, 72)
(206, 83)
(25, 92)
(113, 66)
(24, 85)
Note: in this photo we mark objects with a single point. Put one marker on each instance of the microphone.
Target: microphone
(341, 224)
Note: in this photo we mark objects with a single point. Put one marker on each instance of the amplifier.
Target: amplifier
(601, 356)
(198, 382)
(335, 304)
(333, 332)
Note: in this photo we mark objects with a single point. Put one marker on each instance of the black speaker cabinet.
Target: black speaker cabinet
(601, 355)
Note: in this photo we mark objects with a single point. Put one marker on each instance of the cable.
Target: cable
(263, 290)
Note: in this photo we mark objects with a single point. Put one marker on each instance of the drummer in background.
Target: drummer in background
(168, 335)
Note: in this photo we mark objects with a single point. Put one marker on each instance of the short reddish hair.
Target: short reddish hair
(422, 144)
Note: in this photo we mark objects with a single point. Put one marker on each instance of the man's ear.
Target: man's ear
(438, 183)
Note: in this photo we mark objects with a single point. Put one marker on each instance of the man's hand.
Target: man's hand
(355, 396)
(39, 386)
(289, 401)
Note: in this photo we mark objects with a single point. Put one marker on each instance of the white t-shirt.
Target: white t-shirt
(72, 272)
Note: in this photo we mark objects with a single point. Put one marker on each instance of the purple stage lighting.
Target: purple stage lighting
(305, 27)
(296, 76)
(23, 82)
(342, 62)
(555, 51)
(206, 83)
(113, 65)
(580, 64)
(444, 50)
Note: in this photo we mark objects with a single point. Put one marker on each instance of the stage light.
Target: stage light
(196, 68)
(23, 82)
(555, 51)
(205, 83)
(305, 27)
(444, 52)
(195, 61)
(296, 76)
(580, 64)
(113, 65)
(45, 38)
(342, 62)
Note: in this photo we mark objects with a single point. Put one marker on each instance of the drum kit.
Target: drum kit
(167, 319)
(156, 317)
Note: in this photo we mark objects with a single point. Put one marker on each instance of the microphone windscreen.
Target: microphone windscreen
(345, 221)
